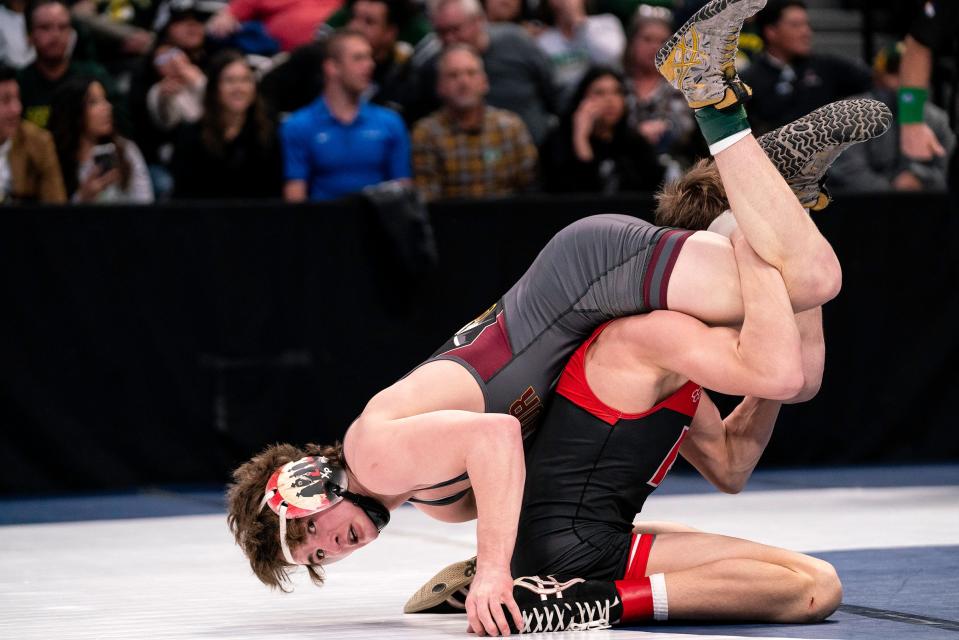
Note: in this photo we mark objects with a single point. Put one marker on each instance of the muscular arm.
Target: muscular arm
(396, 455)
(813, 344)
(763, 358)
(726, 451)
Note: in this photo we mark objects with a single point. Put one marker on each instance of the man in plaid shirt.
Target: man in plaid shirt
(468, 149)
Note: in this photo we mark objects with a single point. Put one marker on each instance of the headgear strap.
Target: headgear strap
(309, 485)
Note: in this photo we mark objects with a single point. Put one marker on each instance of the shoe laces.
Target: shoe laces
(562, 616)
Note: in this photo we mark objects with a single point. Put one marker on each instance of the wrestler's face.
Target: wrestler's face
(334, 534)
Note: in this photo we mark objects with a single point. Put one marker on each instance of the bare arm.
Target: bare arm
(915, 67)
(726, 451)
(763, 358)
(395, 456)
(917, 140)
(813, 343)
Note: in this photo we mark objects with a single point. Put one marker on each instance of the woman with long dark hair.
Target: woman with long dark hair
(594, 149)
(233, 151)
(98, 164)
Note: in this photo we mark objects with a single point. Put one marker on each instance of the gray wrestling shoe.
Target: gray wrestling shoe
(548, 604)
(803, 149)
(699, 59)
(445, 592)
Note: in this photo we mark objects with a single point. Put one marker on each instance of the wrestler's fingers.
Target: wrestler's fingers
(489, 625)
(514, 612)
(499, 617)
(474, 622)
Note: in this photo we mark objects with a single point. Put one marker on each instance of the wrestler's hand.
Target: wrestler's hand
(491, 590)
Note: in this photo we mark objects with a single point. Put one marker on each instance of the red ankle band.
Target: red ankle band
(637, 598)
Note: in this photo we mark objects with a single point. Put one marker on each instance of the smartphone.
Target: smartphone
(163, 58)
(105, 157)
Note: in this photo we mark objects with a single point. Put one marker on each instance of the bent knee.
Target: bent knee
(824, 591)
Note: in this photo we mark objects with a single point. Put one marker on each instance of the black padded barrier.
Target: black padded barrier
(165, 344)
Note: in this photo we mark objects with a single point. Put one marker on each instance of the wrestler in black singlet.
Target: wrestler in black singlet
(589, 469)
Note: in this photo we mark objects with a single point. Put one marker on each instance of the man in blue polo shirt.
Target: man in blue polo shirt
(339, 144)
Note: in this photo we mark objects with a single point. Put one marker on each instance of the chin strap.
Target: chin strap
(374, 509)
(281, 512)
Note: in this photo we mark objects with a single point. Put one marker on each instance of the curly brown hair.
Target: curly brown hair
(256, 530)
(693, 201)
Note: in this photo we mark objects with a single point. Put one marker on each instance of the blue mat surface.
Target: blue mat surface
(144, 503)
(903, 594)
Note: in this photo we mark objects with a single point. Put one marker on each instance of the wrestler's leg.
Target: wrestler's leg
(699, 61)
(716, 577)
(776, 225)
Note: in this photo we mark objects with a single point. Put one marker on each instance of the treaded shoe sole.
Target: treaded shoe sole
(687, 64)
(439, 592)
(803, 149)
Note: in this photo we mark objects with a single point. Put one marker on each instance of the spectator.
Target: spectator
(232, 152)
(878, 164)
(29, 171)
(339, 144)
(515, 11)
(661, 114)
(49, 31)
(519, 74)
(594, 149)
(296, 82)
(788, 79)
(98, 165)
(167, 89)
(412, 25)
(292, 23)
(935, 31)
(469, 149)
(123, 27)
(574, 41)
(15, 49)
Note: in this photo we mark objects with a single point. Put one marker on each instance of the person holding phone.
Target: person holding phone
(99, 166)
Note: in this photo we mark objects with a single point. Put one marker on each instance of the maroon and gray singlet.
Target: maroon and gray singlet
(596, 269)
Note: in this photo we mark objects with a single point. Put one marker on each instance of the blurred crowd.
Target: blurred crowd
(136, 101)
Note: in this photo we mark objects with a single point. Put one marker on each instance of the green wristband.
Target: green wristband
(717, 125)
(912, 101)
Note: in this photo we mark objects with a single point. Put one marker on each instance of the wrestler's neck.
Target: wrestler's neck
(389, 501)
